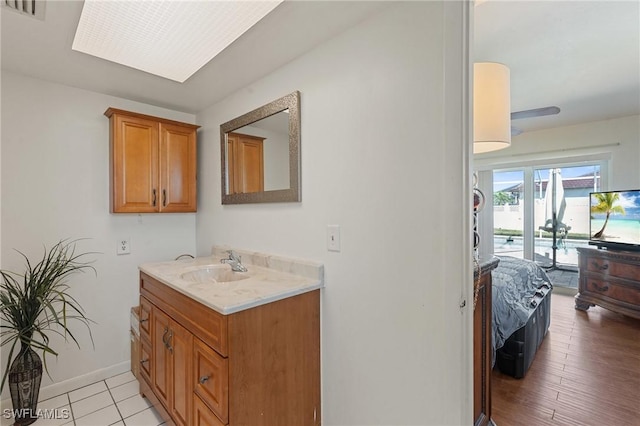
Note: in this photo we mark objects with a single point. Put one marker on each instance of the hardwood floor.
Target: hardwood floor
(586, 372)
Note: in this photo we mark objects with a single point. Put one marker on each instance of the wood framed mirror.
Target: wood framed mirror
(260, 154)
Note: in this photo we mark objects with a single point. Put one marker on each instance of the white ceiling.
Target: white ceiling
(42, 49)
(583, 56)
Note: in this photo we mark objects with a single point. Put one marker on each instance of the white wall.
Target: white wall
(617, 138)
(55, 185)
(383, 157)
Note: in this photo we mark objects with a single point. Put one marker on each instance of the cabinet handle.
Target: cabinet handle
(164, 335)
(168, 344)
(144, 320)
(603, 267)
(203, 379)
(154, 198)
(142, 361)
(597, 287)
(164, 198)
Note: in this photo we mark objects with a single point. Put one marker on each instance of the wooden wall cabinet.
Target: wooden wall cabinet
(258, 367)
(245, 163)
(609, 278)
(152, 164)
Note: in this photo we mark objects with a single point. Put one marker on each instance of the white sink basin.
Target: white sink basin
(216, 273)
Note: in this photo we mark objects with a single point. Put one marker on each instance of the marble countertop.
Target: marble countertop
(270, 278)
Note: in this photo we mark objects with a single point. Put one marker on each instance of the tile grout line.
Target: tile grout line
(73, 418)
(114, 403)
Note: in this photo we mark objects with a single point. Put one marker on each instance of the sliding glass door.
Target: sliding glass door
(554, 201)
(508, 213)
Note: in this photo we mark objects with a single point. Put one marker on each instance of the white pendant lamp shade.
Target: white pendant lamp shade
(491, 107)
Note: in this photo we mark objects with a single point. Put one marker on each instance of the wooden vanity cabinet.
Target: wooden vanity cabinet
(152, 164)
(259, 366)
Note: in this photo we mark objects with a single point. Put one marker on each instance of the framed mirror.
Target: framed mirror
(260, 154)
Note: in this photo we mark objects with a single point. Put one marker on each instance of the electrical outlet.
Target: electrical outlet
(124, 246)
(333, 237)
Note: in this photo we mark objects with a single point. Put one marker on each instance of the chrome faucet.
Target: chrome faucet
(234, 261)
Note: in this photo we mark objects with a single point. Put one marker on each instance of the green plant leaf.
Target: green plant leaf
(37, 303)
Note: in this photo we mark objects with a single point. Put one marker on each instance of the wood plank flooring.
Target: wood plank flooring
(586, 372)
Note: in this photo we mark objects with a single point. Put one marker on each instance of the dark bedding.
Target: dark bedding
(516, 285)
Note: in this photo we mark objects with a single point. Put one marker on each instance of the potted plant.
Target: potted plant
(32, 306)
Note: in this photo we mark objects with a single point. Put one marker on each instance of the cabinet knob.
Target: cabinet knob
(203, 379)
(602, 267)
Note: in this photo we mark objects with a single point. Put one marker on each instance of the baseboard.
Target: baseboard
(68, 385)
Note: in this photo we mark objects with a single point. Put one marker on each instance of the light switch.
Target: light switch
(333, 237)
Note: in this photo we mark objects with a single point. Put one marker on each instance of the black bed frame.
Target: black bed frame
(516, 356)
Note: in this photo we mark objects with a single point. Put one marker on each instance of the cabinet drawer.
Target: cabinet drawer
(202, 415)
(200, 320)
(145, 319)
(612, 268)
(145, 360)
(211, 379)
(613, 290)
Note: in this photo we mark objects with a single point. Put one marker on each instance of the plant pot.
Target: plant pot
(25, 375)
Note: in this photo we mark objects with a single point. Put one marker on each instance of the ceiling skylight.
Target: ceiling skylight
(169, 38)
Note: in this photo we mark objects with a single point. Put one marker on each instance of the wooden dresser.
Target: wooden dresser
(482, 352)
(609, 278)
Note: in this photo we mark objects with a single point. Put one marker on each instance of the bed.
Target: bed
(521, 298)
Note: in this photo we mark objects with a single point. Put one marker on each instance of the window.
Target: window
(537, 195)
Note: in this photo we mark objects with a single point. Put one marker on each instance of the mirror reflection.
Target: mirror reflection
(260, 154)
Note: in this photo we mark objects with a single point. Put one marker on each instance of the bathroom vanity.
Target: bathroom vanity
(240, 348)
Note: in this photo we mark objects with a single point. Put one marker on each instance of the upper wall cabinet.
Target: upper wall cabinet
(152, 164)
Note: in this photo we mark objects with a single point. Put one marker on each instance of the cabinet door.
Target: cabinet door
(181, 359)
(161, 367)
(177, 168)
(245, 163)
(134, 156)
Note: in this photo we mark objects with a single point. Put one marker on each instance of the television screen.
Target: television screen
(615, 218)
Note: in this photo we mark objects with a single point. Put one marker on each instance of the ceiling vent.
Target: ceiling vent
(32, 8)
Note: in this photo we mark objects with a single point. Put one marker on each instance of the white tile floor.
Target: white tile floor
(115, 401)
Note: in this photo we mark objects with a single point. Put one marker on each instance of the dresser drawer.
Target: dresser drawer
(613, 290)
(211, 379)
(145, 319)
(145, 360)
(612, 268)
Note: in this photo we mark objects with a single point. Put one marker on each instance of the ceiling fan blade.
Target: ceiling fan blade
(538, 112)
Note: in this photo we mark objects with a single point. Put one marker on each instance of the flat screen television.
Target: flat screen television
(615, 220)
